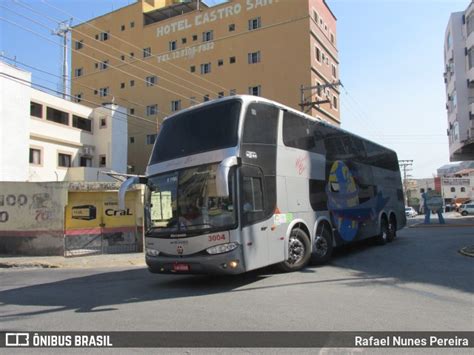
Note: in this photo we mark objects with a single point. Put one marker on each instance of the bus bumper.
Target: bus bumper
(200, 264)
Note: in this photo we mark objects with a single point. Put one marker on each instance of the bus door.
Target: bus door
(255, 226)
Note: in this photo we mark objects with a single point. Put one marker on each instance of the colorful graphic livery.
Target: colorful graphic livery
(242, 182)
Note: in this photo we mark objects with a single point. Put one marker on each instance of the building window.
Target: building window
(334, 73)
(470, 23)
(195, 37)
(96, 92)
(206, 98)
(122, 57)
(422, 191)
(254, 57)
(220, 62)
(255, 23)
(64, 160)
(85, 161)
(151, 80)
(151, 110)
(175, 105)
(207, 36)
(192, 100)
(103, 122)
(318, 54)
(184, 40)
(172, 46)
(205, 68)
(334, 102)
(470, 57)
(146, 52)
(132, 140)
(232, 27)
(122, 28)
(103, 92)
(131, 111)
(122, 85)
(232, 92)
(102, 161)
(57, 116)
(78, 98)
(132, 54)
(232, 60)
(78, 72)
(82, 123)
(453, 189)
(463, 189)
(35, 156)
(132, 82)
(255, 90)
(103, 65)
(36, 110)
(332, 38)
(150, 138)
(132, 24)
(104, 36)
(78, 44)
(192, 69)
(315, 16)
(220, 94)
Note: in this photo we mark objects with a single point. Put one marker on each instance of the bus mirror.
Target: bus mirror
(222, 176)
(125, 186)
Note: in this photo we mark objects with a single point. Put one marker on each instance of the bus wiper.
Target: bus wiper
(200, 225)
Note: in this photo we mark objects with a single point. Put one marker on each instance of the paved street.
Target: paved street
(418, 282)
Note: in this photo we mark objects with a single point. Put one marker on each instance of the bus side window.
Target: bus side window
(252, 199)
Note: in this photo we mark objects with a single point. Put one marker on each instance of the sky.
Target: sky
(390, 53)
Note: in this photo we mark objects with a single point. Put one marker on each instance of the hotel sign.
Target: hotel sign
(212, 16)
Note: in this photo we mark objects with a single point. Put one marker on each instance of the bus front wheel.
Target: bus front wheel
(299, 251)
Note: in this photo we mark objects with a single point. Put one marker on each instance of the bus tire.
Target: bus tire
(299, 251)
(322, 246)
(382, 238)
(392, 229)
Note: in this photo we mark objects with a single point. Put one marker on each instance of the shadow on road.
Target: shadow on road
(429, 259)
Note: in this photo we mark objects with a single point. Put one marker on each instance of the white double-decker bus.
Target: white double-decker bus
(242, 182)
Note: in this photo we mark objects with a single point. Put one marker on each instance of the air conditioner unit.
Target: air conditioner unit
(88, 150)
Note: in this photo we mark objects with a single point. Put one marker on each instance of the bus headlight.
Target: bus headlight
(152, 252)
(223, 248)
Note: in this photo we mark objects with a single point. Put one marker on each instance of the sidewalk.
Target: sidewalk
(452, 219)
(93, 261)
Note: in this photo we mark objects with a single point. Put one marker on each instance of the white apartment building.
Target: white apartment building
(47, 138)
(459, 80)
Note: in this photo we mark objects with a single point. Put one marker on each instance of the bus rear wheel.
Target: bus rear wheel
(299, 251)
(322, 246)
(383, 237)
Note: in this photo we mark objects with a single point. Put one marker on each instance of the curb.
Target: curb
(432, 225)
(467, 251)
(31, 265)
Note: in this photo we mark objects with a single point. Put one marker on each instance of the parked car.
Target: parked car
(410, 212)
(466, 209)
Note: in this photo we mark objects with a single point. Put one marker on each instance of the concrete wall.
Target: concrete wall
(14, 123)
(32, 218)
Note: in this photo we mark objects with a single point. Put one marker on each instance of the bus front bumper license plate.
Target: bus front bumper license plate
(181, 267)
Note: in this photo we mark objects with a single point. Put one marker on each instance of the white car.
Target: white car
(466, 209)
(410, 212)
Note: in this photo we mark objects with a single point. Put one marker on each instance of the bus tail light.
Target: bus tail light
(223, 248)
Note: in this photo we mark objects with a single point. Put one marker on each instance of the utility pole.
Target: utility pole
(63, 29)
(406, 166)
(313, 104)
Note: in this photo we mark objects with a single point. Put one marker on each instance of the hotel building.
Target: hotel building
(156, 57)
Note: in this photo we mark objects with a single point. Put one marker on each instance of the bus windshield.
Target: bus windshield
(200, 130)
(186, 201)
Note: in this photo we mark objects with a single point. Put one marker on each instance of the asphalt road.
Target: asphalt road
(418, 282)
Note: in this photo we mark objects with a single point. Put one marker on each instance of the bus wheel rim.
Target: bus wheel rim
(320, 246)
(296, 250)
